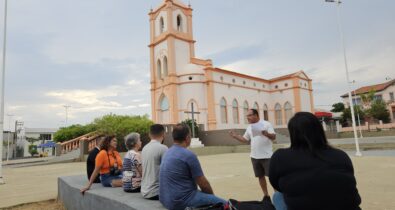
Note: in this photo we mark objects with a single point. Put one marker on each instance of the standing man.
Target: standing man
(152, 155)
(261, 134)
(90, 162)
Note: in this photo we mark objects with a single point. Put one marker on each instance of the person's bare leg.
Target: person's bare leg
(263, 184)
(116, 183)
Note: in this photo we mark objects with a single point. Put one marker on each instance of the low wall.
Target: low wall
(220, 137)
(99, 197)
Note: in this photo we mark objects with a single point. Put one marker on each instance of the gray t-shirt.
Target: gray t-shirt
(151, 158)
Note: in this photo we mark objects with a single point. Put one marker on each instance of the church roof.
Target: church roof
(288, 76)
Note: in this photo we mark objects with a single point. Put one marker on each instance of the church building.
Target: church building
(222, 97)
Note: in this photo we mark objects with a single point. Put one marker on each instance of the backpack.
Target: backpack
(250, 205)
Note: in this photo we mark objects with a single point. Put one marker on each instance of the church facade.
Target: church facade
(222, 97)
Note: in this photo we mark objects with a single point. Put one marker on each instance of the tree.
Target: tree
(73, 131)
(338, 107)
(189, 123)
(346, 116)
(378, 110)
(367, 98)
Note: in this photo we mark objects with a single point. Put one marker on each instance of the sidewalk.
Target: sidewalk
(26, 160)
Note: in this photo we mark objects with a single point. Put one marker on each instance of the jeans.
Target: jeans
(106, 179)
(278, 201)
(201, 199)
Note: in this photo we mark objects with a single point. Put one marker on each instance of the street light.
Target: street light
(338, 2)
(359, 120)
(8, 136)
(2, 93)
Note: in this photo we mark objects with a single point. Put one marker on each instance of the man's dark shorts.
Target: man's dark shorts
(261, 167)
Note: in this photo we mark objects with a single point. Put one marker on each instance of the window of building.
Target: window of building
(45, 137)
(392, 96)
(244, 82)
(179, 23)
(165, 71)
(256, 106)
(286, 84)
(265, 113)
(278, 114)
(288, 112)
(224, 115)
(233, 80)
(245, 111)
(159, 69)
(377, 97)
(164, 104)
(263, 86)
(221, 78)
(276, 86)
(235, 111)
(162, 25)
(254, 84)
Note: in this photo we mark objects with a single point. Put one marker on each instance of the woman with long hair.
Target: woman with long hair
(108, 165)
(311, 174)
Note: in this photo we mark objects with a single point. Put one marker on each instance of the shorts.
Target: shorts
(106, 179)
(261, 167)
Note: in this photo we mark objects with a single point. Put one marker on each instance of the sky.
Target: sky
(92, 55)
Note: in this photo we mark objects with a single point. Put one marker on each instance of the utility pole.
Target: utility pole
(67, 112)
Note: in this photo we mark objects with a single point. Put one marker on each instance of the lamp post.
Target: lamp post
(359, 120)
(2, 93)
(338, 2)
(8, 136)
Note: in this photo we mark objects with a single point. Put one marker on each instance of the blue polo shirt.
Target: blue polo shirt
(178, 171)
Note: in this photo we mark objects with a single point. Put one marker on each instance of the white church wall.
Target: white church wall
(281, 97)
(182, 56)
(305, 100)
(188, 92)
(160, 50)
(162, 14)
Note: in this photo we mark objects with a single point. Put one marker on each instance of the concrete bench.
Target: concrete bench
(99, 197)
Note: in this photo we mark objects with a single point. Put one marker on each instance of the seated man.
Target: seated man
(90, 162)
(151, 158)
(180, 171)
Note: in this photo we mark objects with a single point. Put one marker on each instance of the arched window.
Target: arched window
(165, 71)
(288, 112)
(245, 111)
(162, 25)
(235, 111)
(278, 114)
(256, 106)
(164, 104)
(224, 116)
(159, 69)
(265, 113)
(179, 23)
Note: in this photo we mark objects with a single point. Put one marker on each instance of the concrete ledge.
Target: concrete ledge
(99, 197)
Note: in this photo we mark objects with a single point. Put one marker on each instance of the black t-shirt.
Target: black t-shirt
(308, 182)
(90, 164)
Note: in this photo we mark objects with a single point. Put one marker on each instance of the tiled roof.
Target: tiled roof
(366, 89)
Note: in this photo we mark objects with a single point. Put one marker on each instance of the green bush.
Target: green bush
(121, 125)
(33, 150)
(111, 124)
(73, 131)
(189, 123)
(378, 110)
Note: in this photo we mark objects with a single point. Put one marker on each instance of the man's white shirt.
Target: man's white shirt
(261, 146)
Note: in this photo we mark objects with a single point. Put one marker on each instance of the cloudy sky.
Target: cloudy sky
(93, 54)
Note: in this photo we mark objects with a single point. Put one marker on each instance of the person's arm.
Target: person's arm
(273, 171)
(204, 185)
(238, 137)
(271, 136)
(269, 132)
(92, 179)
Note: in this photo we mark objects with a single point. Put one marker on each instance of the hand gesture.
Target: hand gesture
(84, 189)
(232, 134)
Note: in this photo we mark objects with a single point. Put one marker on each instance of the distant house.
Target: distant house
(384, 91)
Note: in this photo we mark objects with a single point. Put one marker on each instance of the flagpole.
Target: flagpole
(2, 93)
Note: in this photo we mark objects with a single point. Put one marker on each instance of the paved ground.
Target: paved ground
(230, 174)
